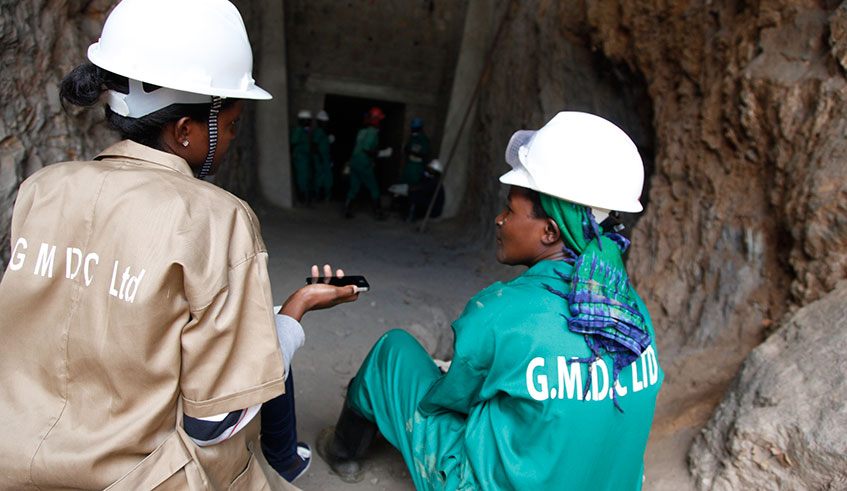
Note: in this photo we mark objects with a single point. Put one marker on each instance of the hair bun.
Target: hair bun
(84, 85)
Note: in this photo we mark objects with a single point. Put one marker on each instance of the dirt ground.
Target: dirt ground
(420, 283)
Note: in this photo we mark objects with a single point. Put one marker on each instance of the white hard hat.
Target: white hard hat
(192, 47)
(578, 157)
(322, 116)
(304, 114)
(436, 165)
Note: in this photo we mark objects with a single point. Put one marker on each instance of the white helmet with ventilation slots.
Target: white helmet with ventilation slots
(193, 49)
(581, 158)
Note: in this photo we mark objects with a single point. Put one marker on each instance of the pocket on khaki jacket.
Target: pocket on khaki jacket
(251, 479)
(168, 459)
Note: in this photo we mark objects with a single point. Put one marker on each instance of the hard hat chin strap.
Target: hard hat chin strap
(214, 110)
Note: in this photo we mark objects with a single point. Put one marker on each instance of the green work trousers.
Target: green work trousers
(394, 377)
(362, 175)
(303, 175)
(323, 181)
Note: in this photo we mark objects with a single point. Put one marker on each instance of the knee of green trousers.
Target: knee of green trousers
(394, 377)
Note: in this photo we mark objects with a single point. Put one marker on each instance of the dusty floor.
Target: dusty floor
(420, 283)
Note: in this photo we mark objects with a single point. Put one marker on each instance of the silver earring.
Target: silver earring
(184, 143)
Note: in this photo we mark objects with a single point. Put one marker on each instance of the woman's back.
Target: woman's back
(116, 293)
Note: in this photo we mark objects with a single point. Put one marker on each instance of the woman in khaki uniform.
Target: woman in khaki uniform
(137, 296)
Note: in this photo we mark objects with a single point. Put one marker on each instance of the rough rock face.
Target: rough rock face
(748, 194)
(781, 424)
(39, 45)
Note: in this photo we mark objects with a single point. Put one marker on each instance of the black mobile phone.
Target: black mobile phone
(360, 281)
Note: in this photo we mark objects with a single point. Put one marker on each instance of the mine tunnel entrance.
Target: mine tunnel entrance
(346, 119)
(433, 72)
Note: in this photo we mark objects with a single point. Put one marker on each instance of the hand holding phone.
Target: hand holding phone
(315, 296)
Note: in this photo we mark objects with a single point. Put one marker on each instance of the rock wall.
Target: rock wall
(40, 41)
(749, 116)
(748, 196)
(766, 434)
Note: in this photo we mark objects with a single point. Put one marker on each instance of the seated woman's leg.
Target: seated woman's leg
(394, 377)
(392, 380)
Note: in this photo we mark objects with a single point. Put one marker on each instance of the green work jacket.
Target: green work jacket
(367, 139)
(321, 142)
(529, 422)
(300, 146)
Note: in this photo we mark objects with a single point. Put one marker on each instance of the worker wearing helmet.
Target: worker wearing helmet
(139, 333)
(301, 155)
(362, 162)
(321, 159)
(554, 376)
(416, 153)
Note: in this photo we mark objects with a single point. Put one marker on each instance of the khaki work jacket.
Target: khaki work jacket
(134, 293)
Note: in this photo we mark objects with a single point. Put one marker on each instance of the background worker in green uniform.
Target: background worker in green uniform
(321, 160)
(362, 162)
(417, 153)
(554, 377)
(301, 158)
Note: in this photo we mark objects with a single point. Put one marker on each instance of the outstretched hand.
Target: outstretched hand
(319, 295)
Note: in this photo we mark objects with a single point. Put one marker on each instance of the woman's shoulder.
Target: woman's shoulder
(158, 188)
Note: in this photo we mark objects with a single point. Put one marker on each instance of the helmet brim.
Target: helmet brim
(518, 177)
(252, 91)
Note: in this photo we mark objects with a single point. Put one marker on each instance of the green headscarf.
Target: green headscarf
(601, 301)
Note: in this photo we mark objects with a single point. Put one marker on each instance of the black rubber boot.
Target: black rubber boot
(348, 209)
(343, 446)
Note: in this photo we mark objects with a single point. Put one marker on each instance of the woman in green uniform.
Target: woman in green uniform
(554, 377)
